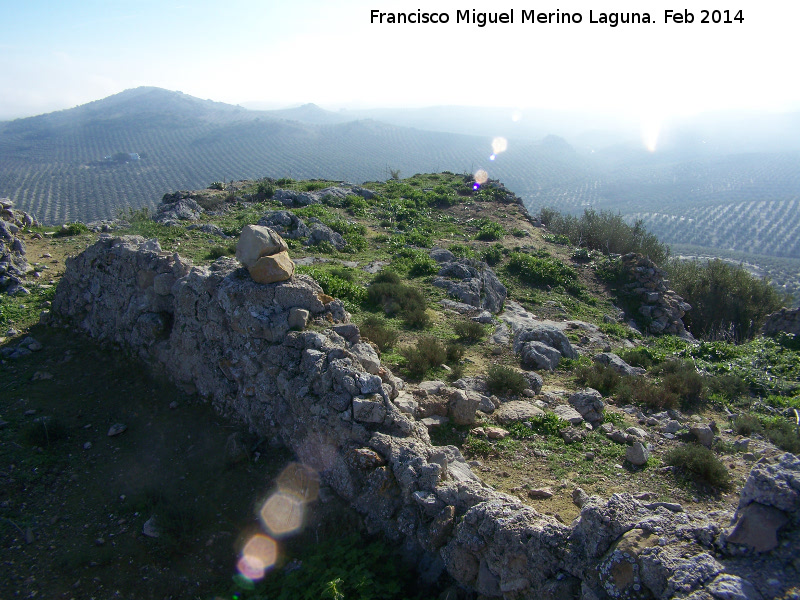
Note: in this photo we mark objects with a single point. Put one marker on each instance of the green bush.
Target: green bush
(746, 424)
(727, 302)
(548, 424)
(605, 231)
(489, 231)
(640, 356)
(600, 377)
(469, 331)
(782, 433)
(699, 463)
(493, 254)
(375, 330)
(336, 286)
(427, 354)
(681, 378)
(69, 229)
(638, 390)
(501, 380)
(728, 386)
(264, 191)
(535, 270)
(396, 298)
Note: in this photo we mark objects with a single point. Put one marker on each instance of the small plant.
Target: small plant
(682, 379)
(216, 185)
(493, 254)
(216, 252)
(600, 377)
(700, 464)
(455, 352)
(549, 424)
(638, 357)
(746, 424)
(469, 331)
(428, 354)
(490, 231)
(555, 238)
(501, 379)
(334, 285)
(614, 418)
(375, 330)
(475, 446)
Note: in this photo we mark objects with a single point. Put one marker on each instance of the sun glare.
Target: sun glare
(651, 128)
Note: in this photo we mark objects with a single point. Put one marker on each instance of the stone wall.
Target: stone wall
(786, 320)
(284, 359)
(660, 305)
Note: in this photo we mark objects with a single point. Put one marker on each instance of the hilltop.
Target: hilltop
(430, 326)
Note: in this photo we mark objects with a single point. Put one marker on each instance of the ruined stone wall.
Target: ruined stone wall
(662, 306)
(283, 359)
(786, 320)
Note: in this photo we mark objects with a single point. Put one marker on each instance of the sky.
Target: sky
(56, 54)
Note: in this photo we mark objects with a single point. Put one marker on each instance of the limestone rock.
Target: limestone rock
(589, 403)
(516, 410)
(272, 269)
(569, 414)
(758, 527)
(615, 362)
(703, 434)
(637, 454)
(257, 241)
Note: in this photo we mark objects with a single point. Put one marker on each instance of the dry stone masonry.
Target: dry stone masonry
(283, 358)
(661, 306)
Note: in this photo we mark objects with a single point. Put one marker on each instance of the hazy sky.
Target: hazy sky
(60, 53)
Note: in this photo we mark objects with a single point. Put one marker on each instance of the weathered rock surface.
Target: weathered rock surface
(13, 260)
(589, 403)
(615, 362)
(227, 337)
(285, 223)
(516, 410)
(786, 320)
(472, 282)
(256, 241)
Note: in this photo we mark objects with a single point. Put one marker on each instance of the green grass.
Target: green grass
(21, 312)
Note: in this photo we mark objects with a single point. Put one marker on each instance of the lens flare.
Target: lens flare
(516, 116)
(481, 176)
(282, 514)
(651, 129)
(492, 157)
(300, 481)
(258, 555)
(499, 144)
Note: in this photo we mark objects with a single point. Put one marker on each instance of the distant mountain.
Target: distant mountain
(718, 181)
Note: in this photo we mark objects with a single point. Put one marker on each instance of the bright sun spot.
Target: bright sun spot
(651, 128)
(499, 144)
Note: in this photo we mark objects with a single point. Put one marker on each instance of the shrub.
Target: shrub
(416, 318)
(219, 251)
(699, 463)
(469, 331)
(535, 270)
(455, 352)
(264, 191)
(216, 185)
(501, 379)
(638, 357)
(728, 386)
(681, 378)
(475, 446)
(376, 330)
(549, 424)
(493, 254)
(600, 377)
(605, 231)
(462, 251)
(69, 229)
(428, 354)
(727, 301)
(422, 265)
(336, 286)
(489, 231)
(638, 390)
(746, 424)
(782, 433)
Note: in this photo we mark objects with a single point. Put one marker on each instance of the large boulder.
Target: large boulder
(472, 282)
(589, 403)
(517, 410)
(257, 241)
(272, 269)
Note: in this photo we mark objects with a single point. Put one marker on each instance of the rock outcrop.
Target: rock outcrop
(472, 282)
(13, 260)
(318, 392)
